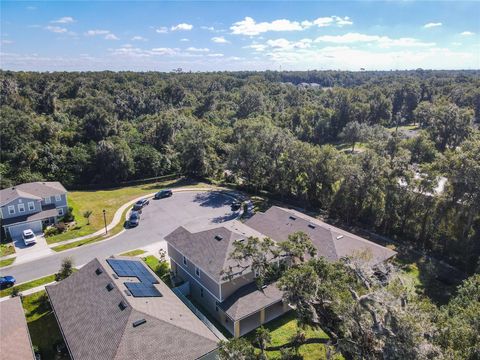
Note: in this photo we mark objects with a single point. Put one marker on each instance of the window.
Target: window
(48, 200)
(58, 198)
(201, 292)
(184, 260)
(31, 205)
(197, 272)
(21, 207)
(60, 211)
(11, 209)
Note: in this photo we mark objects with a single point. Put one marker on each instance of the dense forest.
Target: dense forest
(334, 141)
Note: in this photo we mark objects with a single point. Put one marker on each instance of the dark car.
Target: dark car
(163, 194)
(7, 281)
(133, 219)
(140, 204)
(236, 205)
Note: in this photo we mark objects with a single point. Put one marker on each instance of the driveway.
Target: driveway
(31, 252)
(193, 210)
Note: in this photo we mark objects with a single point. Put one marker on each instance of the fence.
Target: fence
(178, 291)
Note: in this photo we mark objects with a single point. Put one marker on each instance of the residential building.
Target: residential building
(199, 259)
(32, 206)
(117, 308)
(15, 340)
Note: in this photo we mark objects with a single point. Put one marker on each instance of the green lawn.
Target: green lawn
(119, 227)
(162, 270)
(7, 249)
(28, 285)
(135, 252)
(284, 328)
(42, 325)
(6, 262)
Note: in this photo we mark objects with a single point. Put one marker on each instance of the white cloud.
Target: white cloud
(138, 38)
(220, 40)
(6, 42)
(164, 51)
(194, 49)
(249, 26)
(111, 37)
(64, 20)
(382, 41)
(56, 29)
(215, 55)
(162, 30)
(432, 24)
(108, 34)
(97, 32)
(209, 28)
(184, 40)
(467, 33)
(284, 44)
(182, 26)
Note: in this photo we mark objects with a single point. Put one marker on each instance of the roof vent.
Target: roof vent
(241, 240)
(109, 286)
(115, 276)
(339, 237)
(99, 271)
(264, 287)
(139, 322)
(128, 293)
(311, 226)
(292, 218)
(218, 237)
(122, 305)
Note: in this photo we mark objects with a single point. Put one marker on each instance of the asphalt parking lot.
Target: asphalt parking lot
(193, 210)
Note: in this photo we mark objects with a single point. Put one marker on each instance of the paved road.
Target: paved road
(193, 210)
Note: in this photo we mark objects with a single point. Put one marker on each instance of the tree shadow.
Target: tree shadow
(224, 218)
(213, 199)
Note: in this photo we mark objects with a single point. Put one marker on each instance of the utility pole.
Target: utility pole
(105, 221)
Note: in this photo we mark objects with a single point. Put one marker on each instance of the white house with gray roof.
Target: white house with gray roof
(32, 206)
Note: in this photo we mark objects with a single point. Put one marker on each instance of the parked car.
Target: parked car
(236, 205)
(140, 204)
(7, 281)
(163, 194)
(133, 219)
(29, 237)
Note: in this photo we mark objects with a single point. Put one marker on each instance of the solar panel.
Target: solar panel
(131, 268)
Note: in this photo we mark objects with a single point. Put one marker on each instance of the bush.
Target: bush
(50, 231)
(69, 217)
(65, 270)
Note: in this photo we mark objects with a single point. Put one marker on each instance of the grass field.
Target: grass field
(28, 285)
(6, 262)
(284, 328)
(110, 200)
(135, 252)
(42, 325)
(6, 249)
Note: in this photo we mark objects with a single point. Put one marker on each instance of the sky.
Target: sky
(236, 35)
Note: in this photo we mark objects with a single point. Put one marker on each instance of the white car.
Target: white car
(29, 237)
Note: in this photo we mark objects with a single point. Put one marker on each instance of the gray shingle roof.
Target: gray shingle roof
(249, 300)
(205, 250)
(95, 328)
(15, 340)
(45, 214)
(34, 190)
(331, 242)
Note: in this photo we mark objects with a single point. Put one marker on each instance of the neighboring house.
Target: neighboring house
(32, 206)
(331, 242)
(119, 309)
(238, 304)
(200, 257)
(15, 340)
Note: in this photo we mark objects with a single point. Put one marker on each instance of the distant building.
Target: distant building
(32, 206)
(199, 258)
(119, 309)
(15, 341)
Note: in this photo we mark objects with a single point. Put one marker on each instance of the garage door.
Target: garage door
(17, 230)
